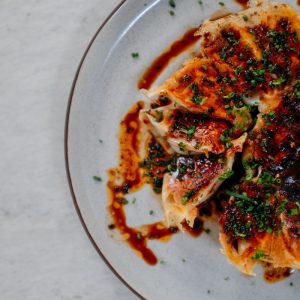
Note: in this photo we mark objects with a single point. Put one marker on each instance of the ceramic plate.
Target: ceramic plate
(104, 89)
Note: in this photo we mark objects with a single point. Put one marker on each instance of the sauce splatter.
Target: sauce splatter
(273, 275)
(196, 230)
(162, 61)
(128, 178)
(243, 3)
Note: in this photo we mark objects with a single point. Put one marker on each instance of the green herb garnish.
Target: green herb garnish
(181, 146)
(191, 131)
(186, 197)
(237, 195)
(172, 3)
(227, 174)
(293, 212)
(97, 178)
(259, 254)
(135, 55)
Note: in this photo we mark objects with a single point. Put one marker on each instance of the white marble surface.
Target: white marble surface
(44, 252)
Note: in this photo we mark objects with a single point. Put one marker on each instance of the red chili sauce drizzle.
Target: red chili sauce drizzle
(162, 61)
(128, 176)
(272, 274)
(243, 3)
(196, 230)
(298, 2)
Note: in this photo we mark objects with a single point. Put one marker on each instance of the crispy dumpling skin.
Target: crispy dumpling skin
(281, 250)
(196, 87)
(184, 190)
(274, 142)
(258, 44)
(186, 132)
(265, 12)
(241, 254)
(261, 222)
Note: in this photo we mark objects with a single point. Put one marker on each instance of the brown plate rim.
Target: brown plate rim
(66, 134)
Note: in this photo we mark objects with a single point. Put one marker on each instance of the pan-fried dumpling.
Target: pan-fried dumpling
(262, 223)
(200, 87)
(190, 133)
(194, 181)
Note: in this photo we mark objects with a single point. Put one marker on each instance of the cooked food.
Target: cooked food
(187, 132)
(194, 180)
(241, 93)
(202, 87)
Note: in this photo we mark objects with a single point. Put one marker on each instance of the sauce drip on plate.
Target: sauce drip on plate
(272, 274)
(128, 178)
(243, 3)
(162, 61)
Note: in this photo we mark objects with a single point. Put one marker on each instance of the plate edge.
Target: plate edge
(67, 166)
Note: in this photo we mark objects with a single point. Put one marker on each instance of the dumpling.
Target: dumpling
(261, 223)
(189, 133)
(195, 180)
(202, 88)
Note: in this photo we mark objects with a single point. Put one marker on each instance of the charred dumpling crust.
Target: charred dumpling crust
(241, 93)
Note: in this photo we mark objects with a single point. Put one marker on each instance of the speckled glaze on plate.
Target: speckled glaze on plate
(104, 89)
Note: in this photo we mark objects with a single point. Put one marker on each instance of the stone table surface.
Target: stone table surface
(44, 251)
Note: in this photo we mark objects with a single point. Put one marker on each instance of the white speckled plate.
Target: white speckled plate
(103, 90)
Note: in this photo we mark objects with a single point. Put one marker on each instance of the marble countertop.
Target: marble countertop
(45, 253)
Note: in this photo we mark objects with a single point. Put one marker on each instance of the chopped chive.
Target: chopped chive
(124, 201)
(259, 254)
(227, 174)
(186, 197)
(248, 177)
(97, 178)
(237, 195)
(172, 3)
(181, 146)
(191, 131)
(135, 55)
(293, 212)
